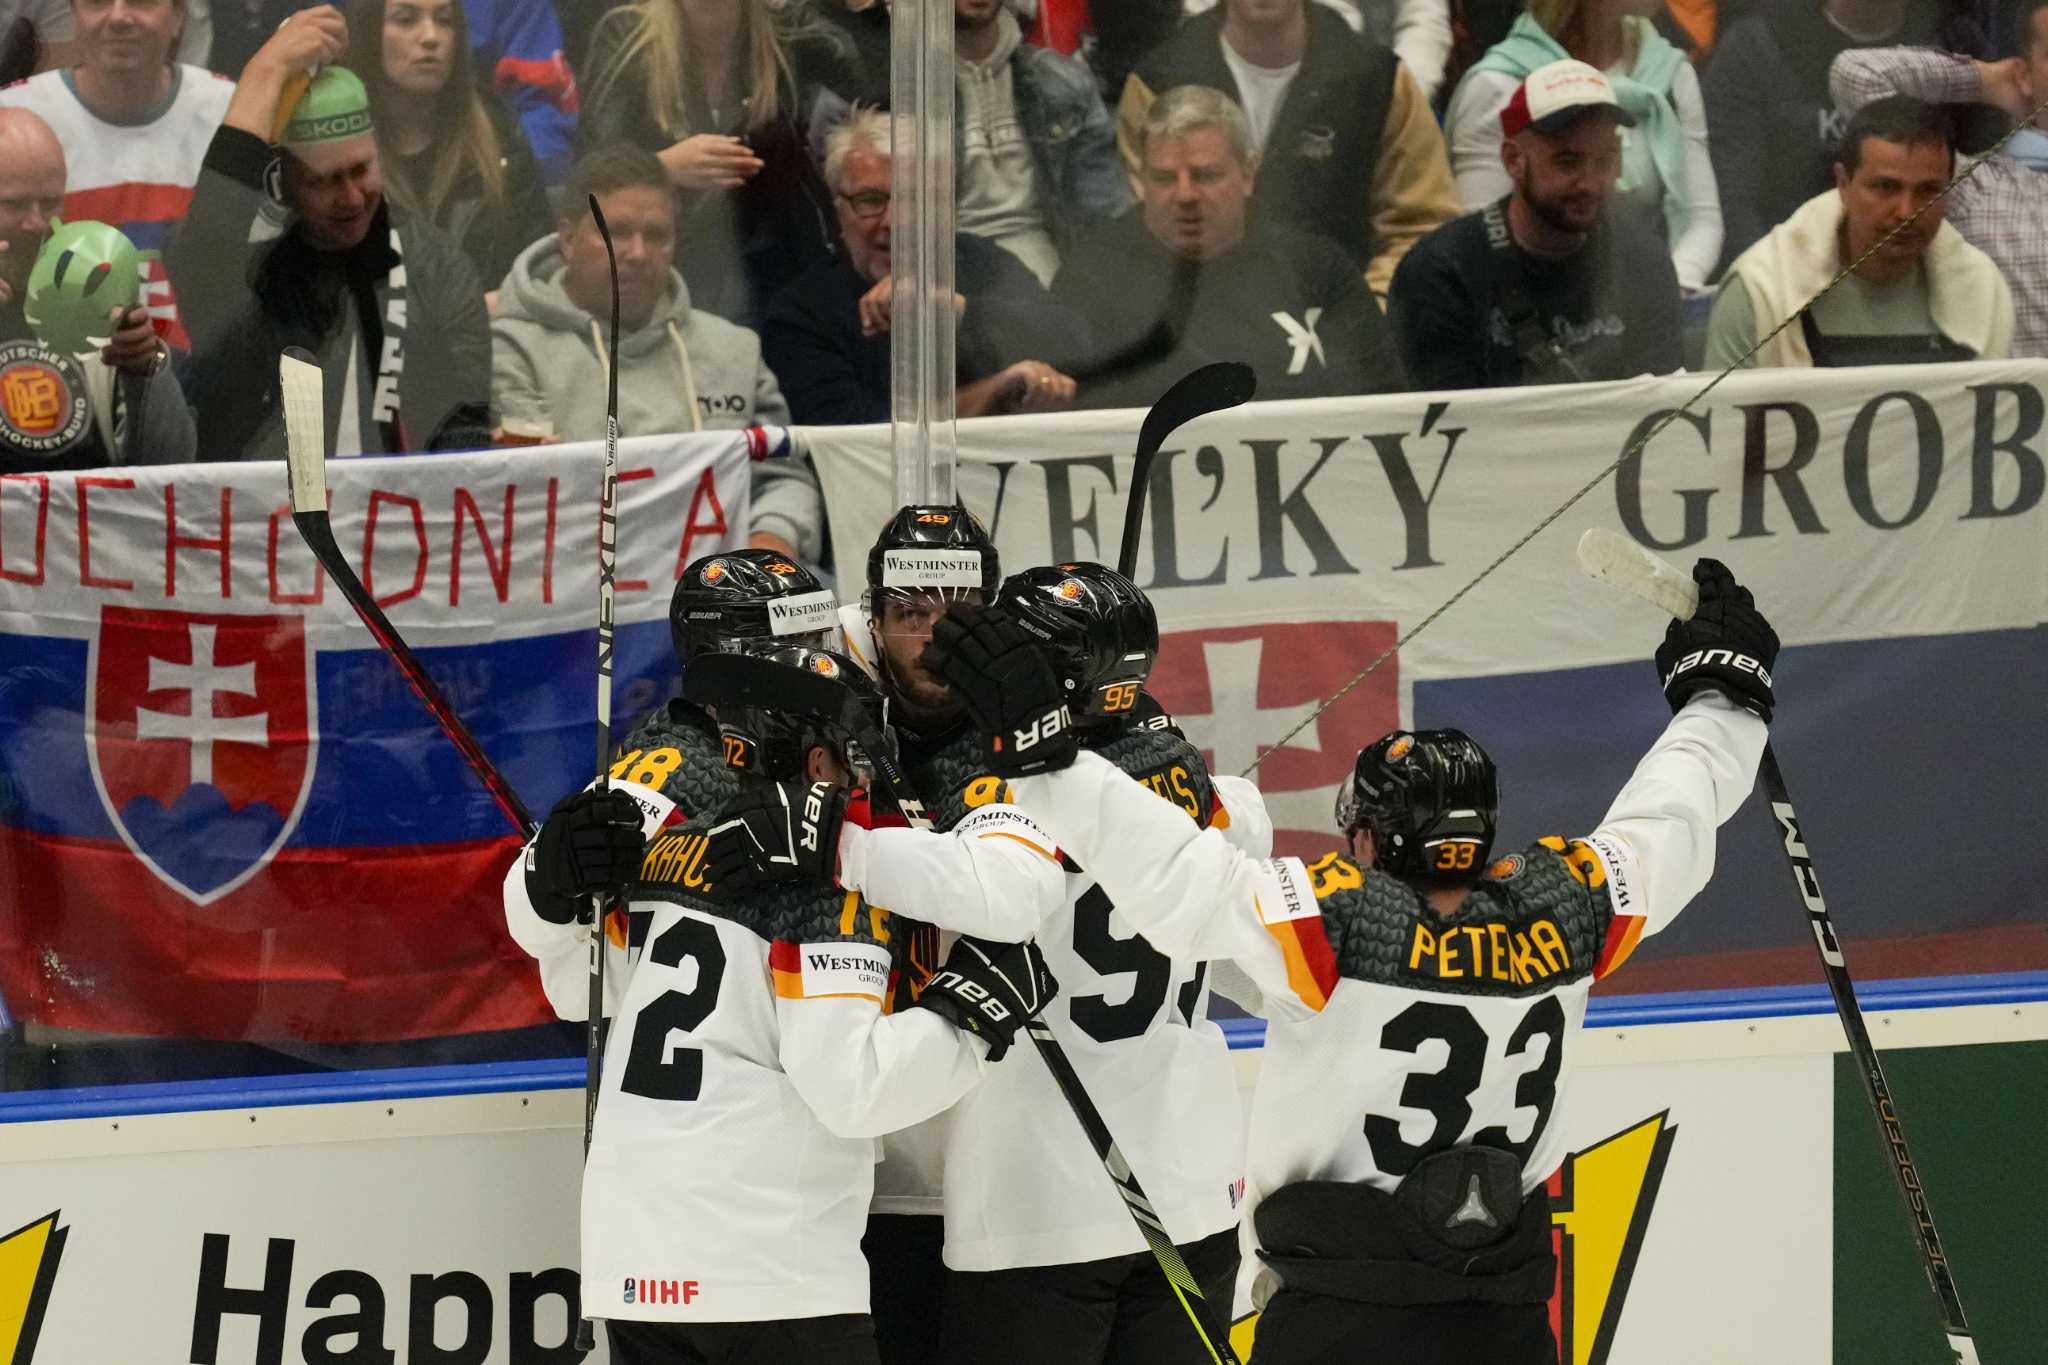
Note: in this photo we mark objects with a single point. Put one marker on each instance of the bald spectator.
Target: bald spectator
(1191, 276)
(58, 411)
(135, 125)
(387, 304)
(1346, 144)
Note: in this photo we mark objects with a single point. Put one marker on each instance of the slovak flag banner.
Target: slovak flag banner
(224, 815)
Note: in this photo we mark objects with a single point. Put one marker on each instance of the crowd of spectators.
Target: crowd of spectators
(1352, 196)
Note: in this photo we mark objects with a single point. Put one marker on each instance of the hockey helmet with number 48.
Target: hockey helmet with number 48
(726, 599)
(1099, 633)
(1431, 799)
(772, 743)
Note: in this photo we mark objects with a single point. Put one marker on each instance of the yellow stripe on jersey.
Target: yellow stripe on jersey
(1034, 846)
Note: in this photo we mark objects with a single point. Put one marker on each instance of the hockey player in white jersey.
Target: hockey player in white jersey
(1034, 1229)
(749, 1068)
(721, 602)
(1424, 1003)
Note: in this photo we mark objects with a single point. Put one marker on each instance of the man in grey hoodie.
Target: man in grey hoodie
(679, 369)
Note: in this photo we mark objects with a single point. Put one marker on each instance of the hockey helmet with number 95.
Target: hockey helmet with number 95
(1430, 798)
(1099, 632)
(770, 743)
(727, 599)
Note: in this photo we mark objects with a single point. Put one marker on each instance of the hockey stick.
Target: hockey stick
(305, 428)
(607, 566)
(742, 680)
(1224, 384)
(1616, 560)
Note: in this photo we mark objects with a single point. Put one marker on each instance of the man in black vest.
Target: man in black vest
(1544, 286)
(1346, 143)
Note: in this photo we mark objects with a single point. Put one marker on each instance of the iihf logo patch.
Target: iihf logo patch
(202, 738)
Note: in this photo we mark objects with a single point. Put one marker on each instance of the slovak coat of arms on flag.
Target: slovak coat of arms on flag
(201, 731)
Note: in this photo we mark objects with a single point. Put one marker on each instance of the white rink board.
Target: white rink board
(495, 1205)
(1737, 1262)
(1734, 1267)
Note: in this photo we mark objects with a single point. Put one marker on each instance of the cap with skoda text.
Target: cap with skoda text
(1554, 97)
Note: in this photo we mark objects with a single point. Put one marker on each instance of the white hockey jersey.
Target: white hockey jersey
(137, 177)
(1396, 1032)
(750, 1066)
(1022, 1185)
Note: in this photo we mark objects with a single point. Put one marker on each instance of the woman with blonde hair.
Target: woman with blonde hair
(722, 91)
(1666, 174)
(450, 155)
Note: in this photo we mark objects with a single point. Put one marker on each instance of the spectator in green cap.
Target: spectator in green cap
(295, 245)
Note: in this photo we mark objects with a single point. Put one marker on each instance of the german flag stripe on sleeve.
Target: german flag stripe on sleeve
(1288, 908)
(788, 970)
(1311, 966)
(1623, 933)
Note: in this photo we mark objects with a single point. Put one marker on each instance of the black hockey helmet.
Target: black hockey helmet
(1431, 799)
(940, 548)
(1099, 633)
(770, 743)
(724, 599)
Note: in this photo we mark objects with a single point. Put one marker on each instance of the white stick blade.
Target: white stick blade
(305, 429)
(1616, 560)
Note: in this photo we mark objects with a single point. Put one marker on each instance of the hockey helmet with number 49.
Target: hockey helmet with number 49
(773, 743)
(1431, 799)
(940, 549)
(1099, 632)
(726, 599)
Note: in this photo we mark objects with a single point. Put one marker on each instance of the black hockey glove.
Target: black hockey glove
(1727, 645)
(996, 670)
(776, 832)
(590, 843)
(990, 989)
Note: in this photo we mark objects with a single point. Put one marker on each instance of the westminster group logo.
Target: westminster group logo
(28, 1268)
(1601, 1200)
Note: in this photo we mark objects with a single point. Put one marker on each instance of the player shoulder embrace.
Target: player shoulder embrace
(1417, 983)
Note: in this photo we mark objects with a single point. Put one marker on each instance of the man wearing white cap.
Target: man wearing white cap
(294, 245)
(1543, 286)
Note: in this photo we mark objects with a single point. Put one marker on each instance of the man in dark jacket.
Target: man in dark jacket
(1544, 286)
(1774, 125)
(1346, 143)
(389, 307)
(1034, 148)
(827, 335)
(1187, 279)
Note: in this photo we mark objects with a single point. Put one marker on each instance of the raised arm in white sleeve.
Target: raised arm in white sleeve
(1186, 889)
(562, 951)
(1244, 819)
(1662, 828)
(862, 1072)
(995, 875)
